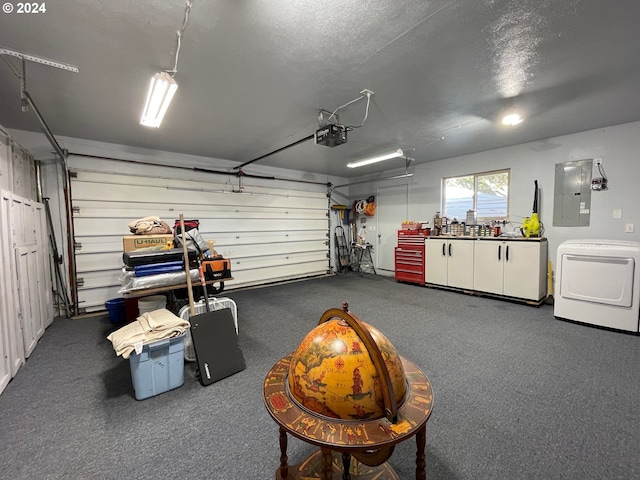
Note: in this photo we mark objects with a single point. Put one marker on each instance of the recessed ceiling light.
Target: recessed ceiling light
(512, 119)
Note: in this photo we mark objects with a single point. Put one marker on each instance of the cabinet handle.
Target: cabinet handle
(507, 253)
(449, 249)
(443, 251)
(499, 252)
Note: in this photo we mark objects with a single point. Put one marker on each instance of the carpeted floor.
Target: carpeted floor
(518, 394)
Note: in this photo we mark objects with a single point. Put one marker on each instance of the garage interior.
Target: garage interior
(243, 147)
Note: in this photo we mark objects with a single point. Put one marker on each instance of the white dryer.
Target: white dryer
(598, 282)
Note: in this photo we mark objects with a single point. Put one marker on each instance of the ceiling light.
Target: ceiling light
(163, 86)
(379, 158)
(161, 90)
(512, 119)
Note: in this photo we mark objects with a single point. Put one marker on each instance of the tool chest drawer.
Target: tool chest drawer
(412, 237)
(409, 264)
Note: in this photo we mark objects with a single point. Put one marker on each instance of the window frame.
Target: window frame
(475, 194)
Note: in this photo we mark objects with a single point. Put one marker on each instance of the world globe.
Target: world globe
(332, 372)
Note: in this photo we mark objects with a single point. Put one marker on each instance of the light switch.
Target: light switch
(629, 228)
(617, 214)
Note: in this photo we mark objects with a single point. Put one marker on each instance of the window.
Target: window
(486, 193)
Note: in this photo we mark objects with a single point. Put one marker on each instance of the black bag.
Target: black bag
(194, 239)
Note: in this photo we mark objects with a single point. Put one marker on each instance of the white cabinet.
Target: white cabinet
(515, 268)
(450, 262)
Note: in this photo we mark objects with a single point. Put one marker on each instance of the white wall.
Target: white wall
(618, 146)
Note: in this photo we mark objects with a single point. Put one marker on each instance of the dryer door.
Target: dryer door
(606, 280)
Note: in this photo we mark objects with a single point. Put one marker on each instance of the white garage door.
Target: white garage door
(269, 234)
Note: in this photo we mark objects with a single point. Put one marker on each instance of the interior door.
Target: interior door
(391, 210)
(9, 306)
(29, 315)
(5, 356)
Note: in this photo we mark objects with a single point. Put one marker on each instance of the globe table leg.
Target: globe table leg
(346, 466)
(327, 464)
(284, 467)
(421, 442)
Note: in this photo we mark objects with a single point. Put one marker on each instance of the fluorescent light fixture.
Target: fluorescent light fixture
(379, 158)
(512, 119)
(161, 91)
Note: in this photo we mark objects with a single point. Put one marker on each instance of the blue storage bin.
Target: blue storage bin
(158, 368)
(117, 310)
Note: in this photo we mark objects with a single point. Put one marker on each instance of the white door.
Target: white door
(436, 261)
(460, 263)
(11, 218)
(5, 356)
(391, 210)
(522, 272)
(30, 317)
(488, 266)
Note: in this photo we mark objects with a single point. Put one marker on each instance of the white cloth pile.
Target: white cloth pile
(149, 225)
(148, 328)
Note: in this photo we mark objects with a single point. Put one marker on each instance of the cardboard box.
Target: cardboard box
(135, 242)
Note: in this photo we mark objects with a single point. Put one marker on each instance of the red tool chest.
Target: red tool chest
(410, 256)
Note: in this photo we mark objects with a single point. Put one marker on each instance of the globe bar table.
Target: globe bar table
(369, 441)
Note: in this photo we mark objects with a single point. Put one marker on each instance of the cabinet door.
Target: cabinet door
(436, 265)
(460, 263)
(488, 266)
(524, 272)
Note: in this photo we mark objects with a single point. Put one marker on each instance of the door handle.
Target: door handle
(449, 249)
(507, 253)
(444, 253)
(499, 252)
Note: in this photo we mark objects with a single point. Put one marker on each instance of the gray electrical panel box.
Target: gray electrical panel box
(572, 194)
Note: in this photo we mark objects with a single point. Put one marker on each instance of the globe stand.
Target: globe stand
(312, 467)
(348, 446)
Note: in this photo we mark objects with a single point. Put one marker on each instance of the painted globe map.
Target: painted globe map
(332, 374)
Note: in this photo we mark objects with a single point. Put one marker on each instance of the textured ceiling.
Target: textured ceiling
(252, 74)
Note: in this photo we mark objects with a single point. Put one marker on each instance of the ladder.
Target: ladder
(342, 250)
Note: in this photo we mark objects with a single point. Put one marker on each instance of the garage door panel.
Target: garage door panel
(186, 199)
(105, 226)
(89, 209)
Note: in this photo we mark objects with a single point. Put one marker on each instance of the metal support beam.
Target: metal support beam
(38, 59)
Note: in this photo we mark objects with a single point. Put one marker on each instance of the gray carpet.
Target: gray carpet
(518, 394)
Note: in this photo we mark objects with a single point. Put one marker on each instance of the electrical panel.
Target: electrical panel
(572, 194)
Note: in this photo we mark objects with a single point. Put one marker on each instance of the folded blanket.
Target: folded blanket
(148, 328)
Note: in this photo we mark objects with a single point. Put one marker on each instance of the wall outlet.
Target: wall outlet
(597, 161)
(629, 228)
(617, 214)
